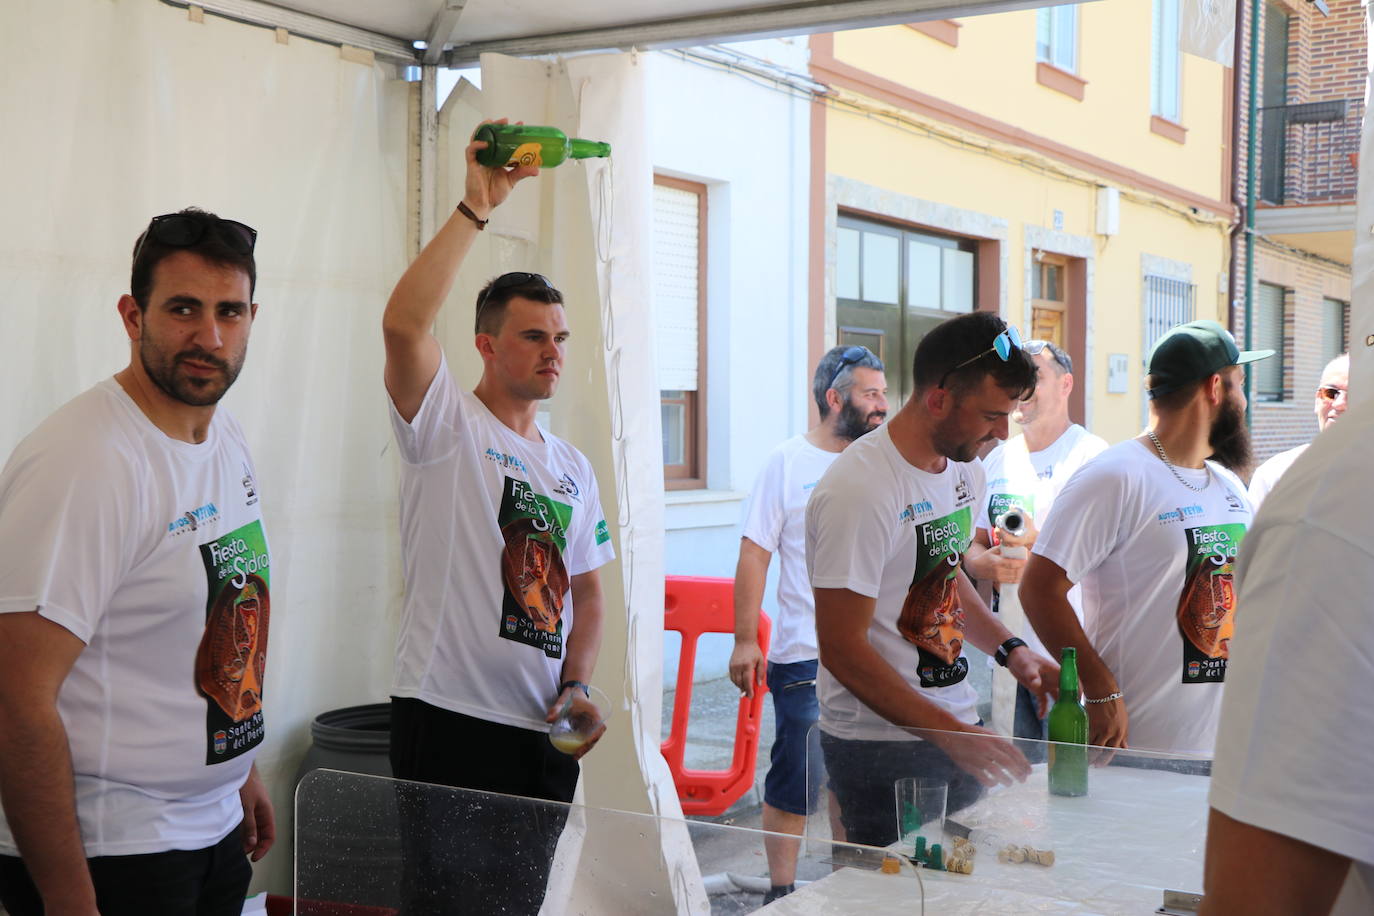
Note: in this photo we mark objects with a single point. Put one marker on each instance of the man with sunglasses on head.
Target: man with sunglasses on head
(134, 610)
(1026, 473)
(1151, 528)
(850, 391)
(1329, 404)
(502, 534)
(885, 531)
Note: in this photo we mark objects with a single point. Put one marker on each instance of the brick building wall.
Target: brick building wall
(1326, 62)
(1307, 281)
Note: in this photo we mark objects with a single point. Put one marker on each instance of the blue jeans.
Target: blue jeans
(789, 786)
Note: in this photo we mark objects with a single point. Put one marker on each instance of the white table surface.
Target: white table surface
(1137, 833)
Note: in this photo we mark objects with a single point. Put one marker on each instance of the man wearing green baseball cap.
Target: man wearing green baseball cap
(1151, 527)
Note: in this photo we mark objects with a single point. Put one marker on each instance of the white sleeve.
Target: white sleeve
(1089, 520)
(433, 432)
(848, 536)
(1262, 483)
(589, 541)
(765, 516)
(70, 526)
(1295, 742)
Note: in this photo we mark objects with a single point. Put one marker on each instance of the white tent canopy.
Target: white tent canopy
(457, 32)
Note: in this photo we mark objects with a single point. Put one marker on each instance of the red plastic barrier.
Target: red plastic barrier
(694, 605)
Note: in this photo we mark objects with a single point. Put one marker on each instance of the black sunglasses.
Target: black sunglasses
(848, 358)
(181, 230)
(512, 279)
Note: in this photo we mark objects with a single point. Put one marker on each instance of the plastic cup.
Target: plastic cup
(580, 719)
(920, 811)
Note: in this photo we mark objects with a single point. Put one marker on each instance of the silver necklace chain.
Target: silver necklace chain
(1177, 476)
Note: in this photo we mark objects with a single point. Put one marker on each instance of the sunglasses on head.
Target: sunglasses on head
(510, 280)
(1331, 393)
(181, 230)
(1003, 345)
(848, 358)
(1034, 347)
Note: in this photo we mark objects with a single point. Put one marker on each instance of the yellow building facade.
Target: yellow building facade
(1048, 190)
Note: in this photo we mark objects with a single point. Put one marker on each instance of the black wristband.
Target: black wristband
(585, 689)
(1005, 649)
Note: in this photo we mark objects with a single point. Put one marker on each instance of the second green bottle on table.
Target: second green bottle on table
(1068, 726)
(530, 144)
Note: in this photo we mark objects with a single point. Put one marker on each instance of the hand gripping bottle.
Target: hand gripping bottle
(529, 144)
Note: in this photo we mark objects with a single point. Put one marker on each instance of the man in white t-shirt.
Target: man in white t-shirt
(1150, 528)
(1292, 823)
(885, 531)
(502, 534)
(1328, 405)
(134, 609)
(851, 397)
(1027, 472)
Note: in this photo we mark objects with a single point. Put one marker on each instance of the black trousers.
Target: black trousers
(199, 882)
(466, 854)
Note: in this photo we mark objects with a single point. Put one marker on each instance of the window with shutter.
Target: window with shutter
(679, 304)
(1266, 379)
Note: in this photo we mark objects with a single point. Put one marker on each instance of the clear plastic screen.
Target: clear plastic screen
(1140, 830)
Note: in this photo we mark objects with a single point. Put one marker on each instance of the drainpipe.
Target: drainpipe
(1251, 153)
(1237, 197)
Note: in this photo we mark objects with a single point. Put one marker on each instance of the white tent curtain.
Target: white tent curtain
(117, 111)
(149, 109)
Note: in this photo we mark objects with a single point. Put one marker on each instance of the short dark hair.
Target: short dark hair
(149, 252)
(833, 371)
(968, 338)
(1178, 398)
(496, 295)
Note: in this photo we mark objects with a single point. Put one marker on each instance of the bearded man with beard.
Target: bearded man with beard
(1151, 528)
(850, 391)
(130, 698)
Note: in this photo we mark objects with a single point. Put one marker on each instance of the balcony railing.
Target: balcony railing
(1309, 152)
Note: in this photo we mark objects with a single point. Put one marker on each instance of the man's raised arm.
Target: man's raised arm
(412, 353)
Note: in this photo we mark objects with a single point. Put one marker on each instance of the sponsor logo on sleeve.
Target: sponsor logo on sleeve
(194, 520)
(603, 534)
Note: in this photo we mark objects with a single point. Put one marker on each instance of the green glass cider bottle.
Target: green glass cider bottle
(1068, 726)
(530, 144)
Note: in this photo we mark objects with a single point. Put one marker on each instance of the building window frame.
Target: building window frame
(690, 472)
(1056, 37)
(1166, 62)
(856, 309)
